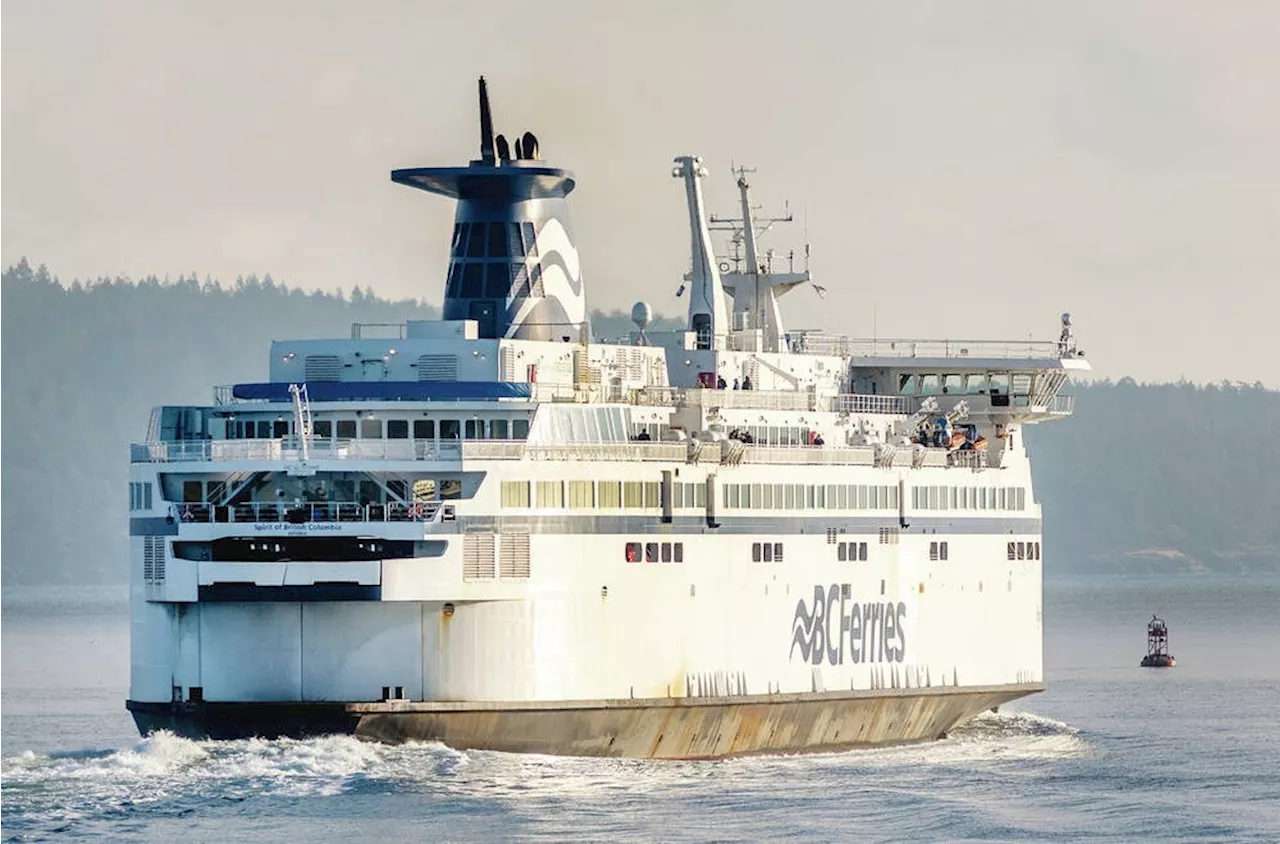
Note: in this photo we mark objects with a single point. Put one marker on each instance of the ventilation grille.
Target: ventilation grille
(514, 561)
(438, 368)
(323, 368)
(477, 556)
(506, 364)
(153, 554)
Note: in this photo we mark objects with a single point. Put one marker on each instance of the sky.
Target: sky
(960, 170)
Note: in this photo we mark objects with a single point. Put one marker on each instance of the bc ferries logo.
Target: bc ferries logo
(835, 629)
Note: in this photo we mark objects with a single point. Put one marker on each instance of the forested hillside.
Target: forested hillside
(1162, 477)
(1169, 476)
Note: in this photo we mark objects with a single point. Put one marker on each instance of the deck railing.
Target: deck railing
(290, 449)
(259, 512)
(909, 348)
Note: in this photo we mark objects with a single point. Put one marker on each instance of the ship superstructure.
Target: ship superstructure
(492, 531)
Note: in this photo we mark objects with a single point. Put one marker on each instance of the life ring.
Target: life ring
(724, 266)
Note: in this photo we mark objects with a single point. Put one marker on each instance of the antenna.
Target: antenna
(486, 125)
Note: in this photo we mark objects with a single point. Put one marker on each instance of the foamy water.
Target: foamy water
(165, 774)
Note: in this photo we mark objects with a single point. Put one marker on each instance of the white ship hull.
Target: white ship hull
(593, 655)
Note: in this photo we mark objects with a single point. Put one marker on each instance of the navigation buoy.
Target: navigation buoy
(1158, 655)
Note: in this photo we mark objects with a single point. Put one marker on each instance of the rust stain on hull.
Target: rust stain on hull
(684, 728)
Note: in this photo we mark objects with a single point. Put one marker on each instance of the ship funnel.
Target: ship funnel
(513, 265)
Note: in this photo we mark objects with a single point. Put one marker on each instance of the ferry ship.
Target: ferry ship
(496, 532)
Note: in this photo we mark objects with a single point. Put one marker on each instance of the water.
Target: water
(1110, 751)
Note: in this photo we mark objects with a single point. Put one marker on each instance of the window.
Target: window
(397, 490)
(397, 429)
(777, 552)
(499, 246)
(146, 496)
(498, 429)
(633, 552)
(952, 384)
(424, 429)
(908, 385)
(472, 280)
(519, 429)
(530, 246)
(928, 385)
(933, 551)
(666, 552)
(632, 494)
(515, 493)
(1022, 550)
(1012, 551)
(513, 240)
(582, 494)
(475, 429)
(853, 551)
(610, 493)
(767, 549)
(322, 429)
(264, 430)
(755, 552)
(450, 429)
(497, 282)
(192, 491)
(651, 552)
(280, 428)
(550, 494)
(1022, 498)
(475, 241)
(651, 495)
(371, 429)
(842, 552)
(678, 552)
(942, 550)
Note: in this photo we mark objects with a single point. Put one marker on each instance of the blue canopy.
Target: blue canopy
(389, 390)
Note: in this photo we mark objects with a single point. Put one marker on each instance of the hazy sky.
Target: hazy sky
(966, 169)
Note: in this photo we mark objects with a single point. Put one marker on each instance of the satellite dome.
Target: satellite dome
(641, 315)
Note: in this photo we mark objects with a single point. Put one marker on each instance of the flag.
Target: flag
(821, 291)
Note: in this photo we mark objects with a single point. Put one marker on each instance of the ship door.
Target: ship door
(485, 313)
